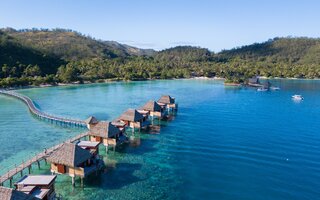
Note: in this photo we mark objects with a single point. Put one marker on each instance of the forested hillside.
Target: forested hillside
(35, 56)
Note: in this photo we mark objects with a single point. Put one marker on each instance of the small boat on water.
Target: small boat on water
(297, 97)
(262, 89)
(274, 88)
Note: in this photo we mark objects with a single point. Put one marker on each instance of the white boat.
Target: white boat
(297, 97)
(274, 88)
(262, 89)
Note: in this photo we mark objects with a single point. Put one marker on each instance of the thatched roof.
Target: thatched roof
(117, 123)
(70, 155)
(91, 120)
(131, 115)
(10, 194)
(151, 106)
(104, 130)
(166, 99)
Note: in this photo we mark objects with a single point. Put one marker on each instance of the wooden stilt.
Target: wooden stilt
(38, 164)
(72, 181)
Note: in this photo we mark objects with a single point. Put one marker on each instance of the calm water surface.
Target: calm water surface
(224, 143)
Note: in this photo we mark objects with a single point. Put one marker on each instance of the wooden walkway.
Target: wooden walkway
(34, 110)
(37, 158)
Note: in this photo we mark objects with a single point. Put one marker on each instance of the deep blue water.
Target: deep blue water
(224, 143)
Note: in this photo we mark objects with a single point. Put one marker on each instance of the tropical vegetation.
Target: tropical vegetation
(42, 56)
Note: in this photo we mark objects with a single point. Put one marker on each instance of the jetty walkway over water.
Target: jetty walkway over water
(34, 110)
(36, 159)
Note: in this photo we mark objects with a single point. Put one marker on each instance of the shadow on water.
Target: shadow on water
(120, 176)
(137, 146)
(154, 129)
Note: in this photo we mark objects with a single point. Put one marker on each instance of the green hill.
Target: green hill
(34, 56)
(17, 57)
(291, 50)
(184, 54)
(71, 45)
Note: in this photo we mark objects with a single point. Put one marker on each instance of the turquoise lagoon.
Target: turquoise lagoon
(225, 143)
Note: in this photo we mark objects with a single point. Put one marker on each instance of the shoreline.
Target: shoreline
(121, 80)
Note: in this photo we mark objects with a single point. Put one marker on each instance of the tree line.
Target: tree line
(91, 61)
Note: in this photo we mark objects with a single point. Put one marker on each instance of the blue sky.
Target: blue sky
(160, 24)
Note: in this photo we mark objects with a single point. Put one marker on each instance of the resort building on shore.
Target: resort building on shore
(254, 82)
(11, 194)
(74, 161)
(106, 133)
(153, 109)
(167, 102)
(133, 119)
(40, 186)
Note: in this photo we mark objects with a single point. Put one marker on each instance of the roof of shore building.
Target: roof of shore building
(254, 80)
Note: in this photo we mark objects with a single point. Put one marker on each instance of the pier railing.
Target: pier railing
(34, 110)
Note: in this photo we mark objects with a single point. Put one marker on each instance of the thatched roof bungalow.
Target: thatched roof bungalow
(134, 119)
(166, 99)
(107, 133)
(91, 121)
(153, 108)
(72, 160)
(11, 194)
(167, 102)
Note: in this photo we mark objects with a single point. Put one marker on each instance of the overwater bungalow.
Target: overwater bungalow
(153, 109)
(91, 146)
(11, 194)
(107, 133)
(40, 186)
(167, 102)
(91, 121)
(133, 119)
(119, 124)
(74, 161)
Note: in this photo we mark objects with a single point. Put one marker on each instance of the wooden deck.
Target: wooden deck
(34, 110)
(37, 158)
